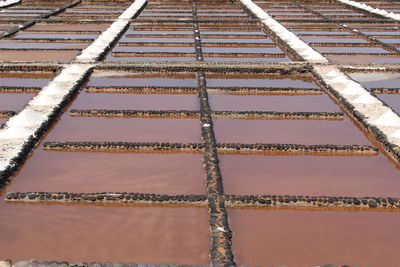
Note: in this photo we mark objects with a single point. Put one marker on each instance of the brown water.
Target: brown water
(156, 40)
(69, 27)
(305, 132)
(377, 79)
(104, 233)
(281, 58)
(392, 100)
(150, 59)
(310, 175)
(155, 49)
(54, 35)
(10, 101)
(111, 172)
(259, 80)
(143, 79)
(136, 101)
(315, 237)
(24, 79)
(286, 103)
(363, 59)
(126, 130)
(23, 45)
(345, 39)
(243, 50)
(349, 49)
(166, 234)
(38, 55)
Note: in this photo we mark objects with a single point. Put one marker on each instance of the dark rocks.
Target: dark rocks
(372, 204)
(307, 201)
(118, 146)
(32, 196)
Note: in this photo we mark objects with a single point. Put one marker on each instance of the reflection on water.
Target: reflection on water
(99, 233)
(38, 55)
(292, 103)
(307, 238)
(310, 175)
(69, 27)
(126, 130)
(306, 132)
(392, 100)
(111, 172)
(136, 101)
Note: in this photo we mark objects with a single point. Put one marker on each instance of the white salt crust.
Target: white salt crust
(8, 2)
(378, 11)
(291, 39)
(376, 113)
(396, 134)
(21, 127)
(93, 51)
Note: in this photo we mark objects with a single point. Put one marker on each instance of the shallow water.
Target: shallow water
(136, 101)
(14, 102)
(306, 132)
(126, 130)
(143, 79)
(356, 176)
(38, 55)
(104, 233)
(69, 27)
(27, 80)
(222, 58)
(151, 59)
(392, 100)
(244, 80)
(54, 36)
(78, 172)
(363, 59)
(13, 45)
(166, 234)
(311, 237)
(286, 103)
(377, 79)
